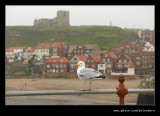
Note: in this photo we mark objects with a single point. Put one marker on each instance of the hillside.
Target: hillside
(104, 36)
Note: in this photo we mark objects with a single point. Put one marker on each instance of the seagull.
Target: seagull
(87, 73)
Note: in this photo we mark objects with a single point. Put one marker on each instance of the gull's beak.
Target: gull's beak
(76, 64)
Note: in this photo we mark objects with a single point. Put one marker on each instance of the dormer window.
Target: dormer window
(106, 55)
(120, 61)
(80, 46)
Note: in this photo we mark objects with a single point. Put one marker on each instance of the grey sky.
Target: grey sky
(122, 16)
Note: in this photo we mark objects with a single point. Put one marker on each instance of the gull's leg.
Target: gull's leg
(83, 87)
(90, 85)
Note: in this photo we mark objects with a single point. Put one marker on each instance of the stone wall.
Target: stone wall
(62, 19)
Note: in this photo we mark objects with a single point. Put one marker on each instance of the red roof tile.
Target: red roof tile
(112, 55)
(127, 57)
(95, 58)
(103, 52)
(82, 58)
(10, 49)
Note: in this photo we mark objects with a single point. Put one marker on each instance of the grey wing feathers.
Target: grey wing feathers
(89, 73)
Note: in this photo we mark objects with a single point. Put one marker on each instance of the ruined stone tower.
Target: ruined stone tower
(62, 19)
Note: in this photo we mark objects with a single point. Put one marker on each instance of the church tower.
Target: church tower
(63, 18)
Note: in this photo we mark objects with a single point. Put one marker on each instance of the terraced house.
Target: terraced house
(83, 50)
(51, 49)
(75, 60)
(56, 65)
(107, 61)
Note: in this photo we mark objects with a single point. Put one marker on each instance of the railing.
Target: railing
(121, 91)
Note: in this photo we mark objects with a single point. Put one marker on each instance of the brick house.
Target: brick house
(75, 60)
(147, 35)
(107, 61)
(143, 61)
(131, 48)
(122, 64)
(83, 50)
(51, 49)
(148, 61)
(56, 65)
(117, 51)
(58, 49)
(92, 62)
(136, 58)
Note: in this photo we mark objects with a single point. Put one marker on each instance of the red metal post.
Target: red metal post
(121, 90)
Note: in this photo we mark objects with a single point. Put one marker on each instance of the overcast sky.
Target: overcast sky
(123, 16)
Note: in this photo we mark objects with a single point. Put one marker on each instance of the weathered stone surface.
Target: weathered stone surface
(62, 19)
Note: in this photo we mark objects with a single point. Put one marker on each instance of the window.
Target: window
(137, 63)
(57, 70)
(119, 66)
(62, 60)
(137, 57)
(125, 60)
(88, 61)
(150, 66)
(81, 51)
(106, 55)
(53, 66)
(57, 66)
(80, 46)
(61, 65)
(108, 65)
(54, 49)
(54, 54)
(62, 70)
(104, 60)
(87, 51)
(91, 60)
(74, 51)
(64, 65)
(54, 70)
(71, 66)
(144, 61)
(73, 60)
(120, 60)
(93, 66)
(78, 51)
(92, 50)
(101, 65)
(48, 66)
(126, 65)
(86, 55)
(108, 60)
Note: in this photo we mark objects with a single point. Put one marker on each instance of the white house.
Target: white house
(148, 47)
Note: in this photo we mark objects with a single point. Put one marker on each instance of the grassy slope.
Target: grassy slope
(104, 36)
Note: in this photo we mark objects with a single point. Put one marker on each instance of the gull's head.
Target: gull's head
(80, 64)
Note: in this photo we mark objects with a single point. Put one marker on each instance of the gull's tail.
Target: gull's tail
(101, 76)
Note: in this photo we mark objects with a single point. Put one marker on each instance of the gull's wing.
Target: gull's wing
(87, 73)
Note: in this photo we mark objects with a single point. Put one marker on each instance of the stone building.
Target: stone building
(62, 19)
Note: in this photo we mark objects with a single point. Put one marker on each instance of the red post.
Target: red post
(121, 90)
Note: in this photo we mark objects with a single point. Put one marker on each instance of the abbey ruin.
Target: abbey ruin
(62, 19)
